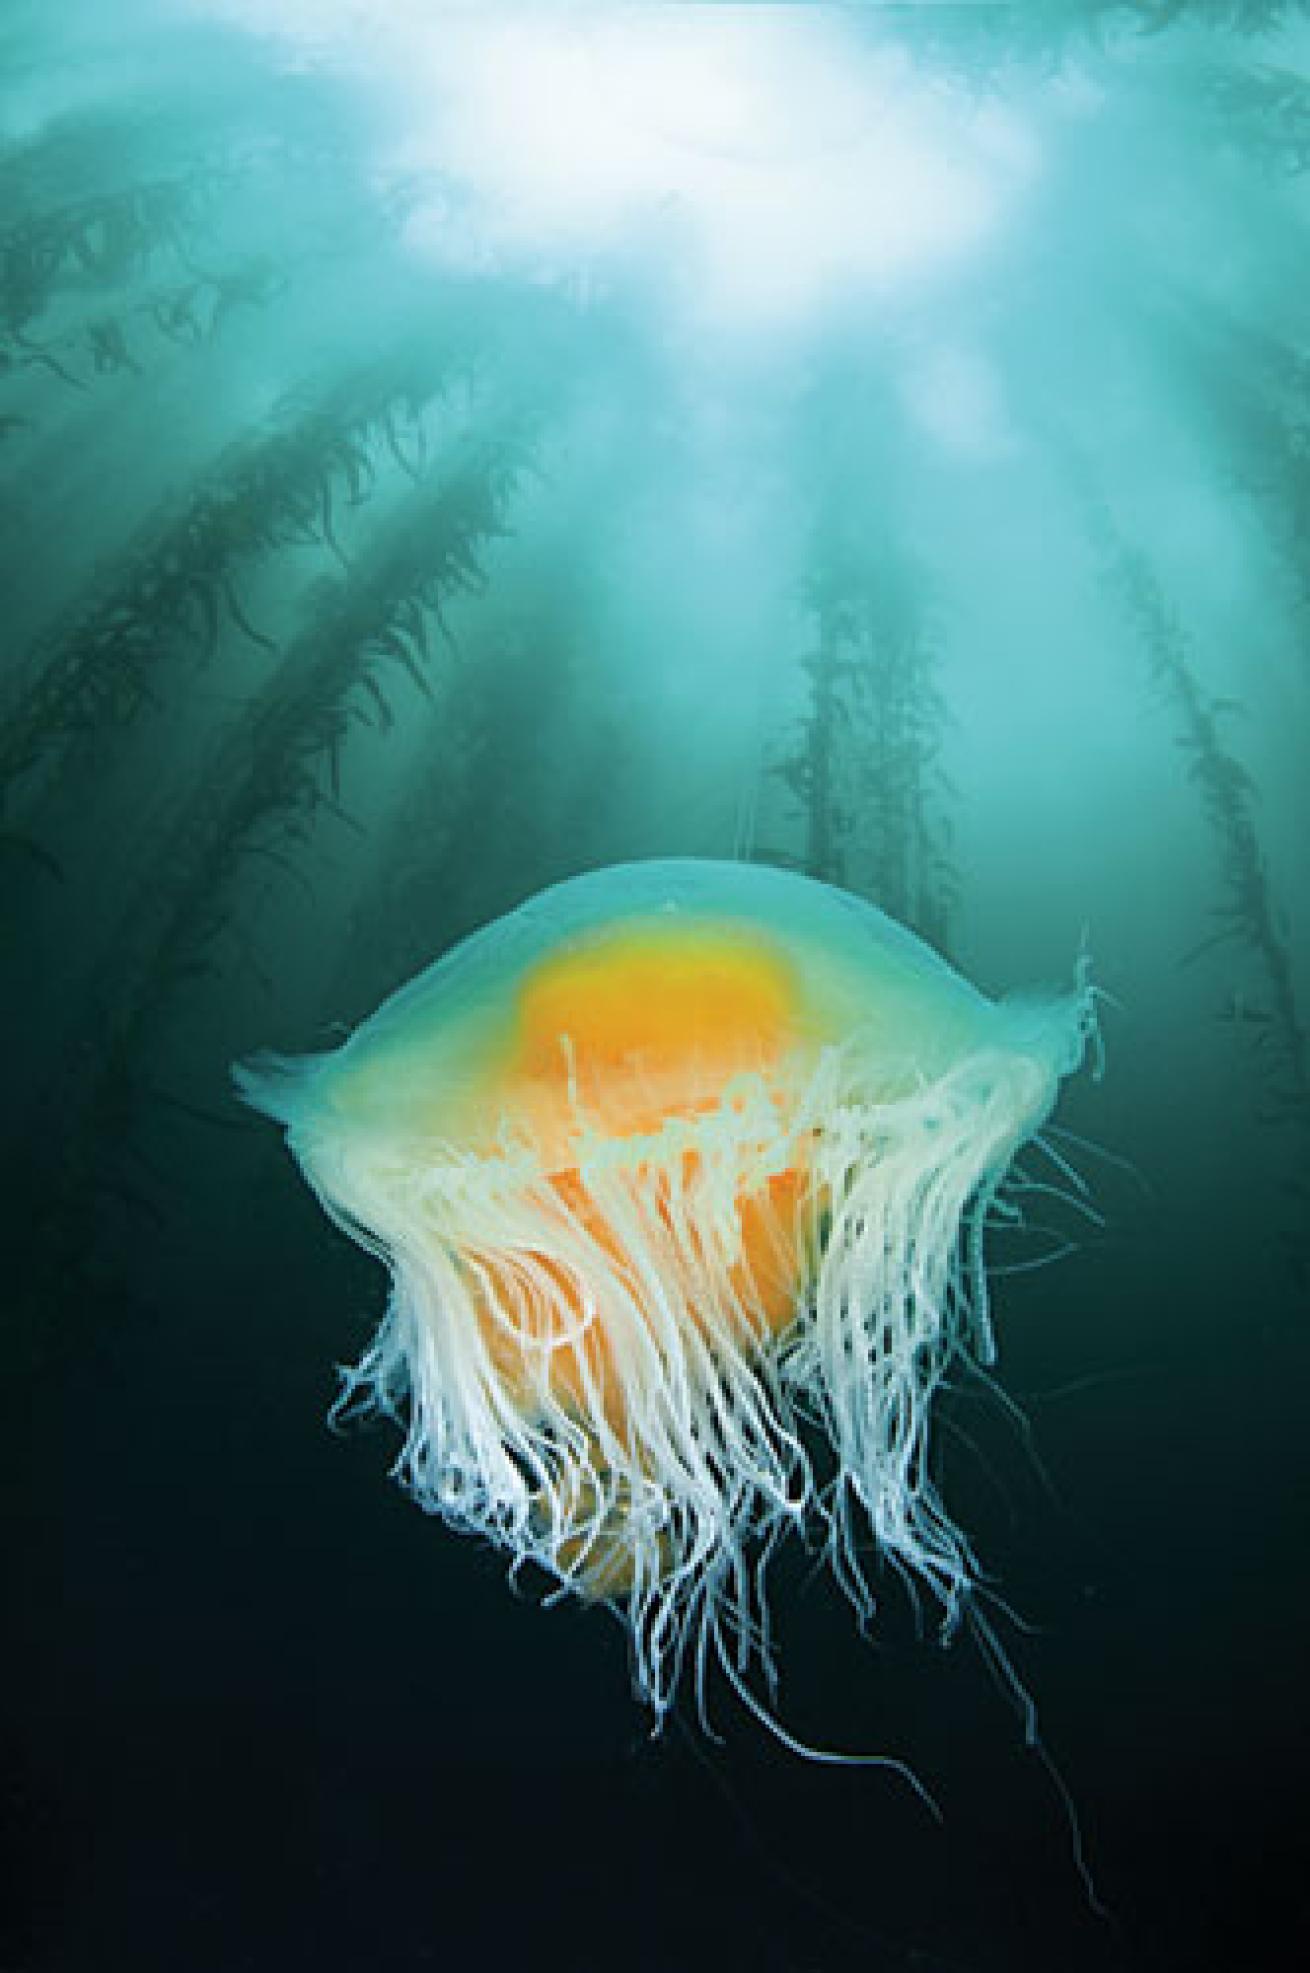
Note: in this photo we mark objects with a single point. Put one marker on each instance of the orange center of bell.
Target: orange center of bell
(623, 1034)
(651, 1023)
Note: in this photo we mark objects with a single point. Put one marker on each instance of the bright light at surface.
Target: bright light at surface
(765, 161)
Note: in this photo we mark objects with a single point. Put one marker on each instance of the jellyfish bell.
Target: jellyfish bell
(679, 1170)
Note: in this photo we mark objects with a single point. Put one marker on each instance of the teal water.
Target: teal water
(444, 450)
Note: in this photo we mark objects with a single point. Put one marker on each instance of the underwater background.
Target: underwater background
(444, 449)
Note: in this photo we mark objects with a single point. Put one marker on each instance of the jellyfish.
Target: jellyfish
(681, 1173)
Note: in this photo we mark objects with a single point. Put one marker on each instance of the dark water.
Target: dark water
(895, 466)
